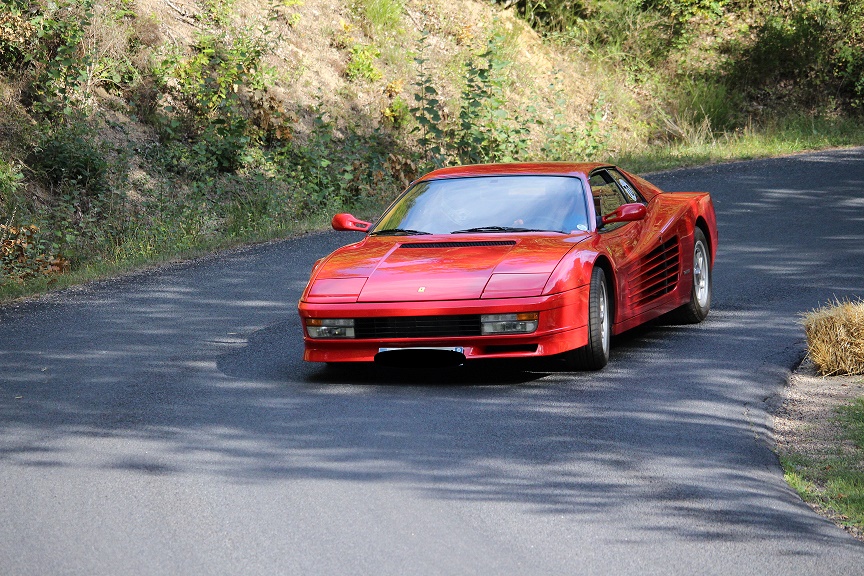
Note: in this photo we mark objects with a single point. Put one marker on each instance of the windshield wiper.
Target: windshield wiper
(398, 232)
(482, 229)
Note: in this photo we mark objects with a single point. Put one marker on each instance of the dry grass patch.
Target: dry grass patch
(835, 337)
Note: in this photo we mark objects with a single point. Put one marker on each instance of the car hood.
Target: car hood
(411, 269)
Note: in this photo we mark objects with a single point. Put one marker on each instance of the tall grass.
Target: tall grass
(381, 15)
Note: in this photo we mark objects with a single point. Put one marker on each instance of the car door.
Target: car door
(647, 267)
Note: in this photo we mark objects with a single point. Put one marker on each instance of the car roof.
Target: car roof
(515, 169)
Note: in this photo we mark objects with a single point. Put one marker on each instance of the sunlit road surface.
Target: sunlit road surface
(165, 423)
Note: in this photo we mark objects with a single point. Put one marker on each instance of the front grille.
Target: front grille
(466, 244)
(417, 326)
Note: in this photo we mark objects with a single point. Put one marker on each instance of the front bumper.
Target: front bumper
(562, 326)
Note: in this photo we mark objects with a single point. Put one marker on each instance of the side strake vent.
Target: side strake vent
(459, 244)
(659, 273)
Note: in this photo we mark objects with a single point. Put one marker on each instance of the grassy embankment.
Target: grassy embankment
(135, 131)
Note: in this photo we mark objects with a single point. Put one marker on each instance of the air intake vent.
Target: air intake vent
(417, 326)
(659, 273)
(459, 244)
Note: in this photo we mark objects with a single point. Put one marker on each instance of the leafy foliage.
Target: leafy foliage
(11, 180)
(43, 45)
(486, 132)
(484, 129)
(551, 15)
(426, 113)
(211, 89)
(330, 172)
(565, 142)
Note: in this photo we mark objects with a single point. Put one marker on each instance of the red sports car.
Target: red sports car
(511, 261)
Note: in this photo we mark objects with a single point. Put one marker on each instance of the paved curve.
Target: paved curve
(165, 424)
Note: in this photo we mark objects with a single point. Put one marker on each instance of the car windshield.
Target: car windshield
(489, 204)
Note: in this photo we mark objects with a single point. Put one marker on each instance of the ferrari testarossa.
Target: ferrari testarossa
(511, 261)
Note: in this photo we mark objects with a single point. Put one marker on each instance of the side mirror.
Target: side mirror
(350, 223)
(626, 213)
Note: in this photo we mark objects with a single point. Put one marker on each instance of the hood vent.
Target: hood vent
(460, 244)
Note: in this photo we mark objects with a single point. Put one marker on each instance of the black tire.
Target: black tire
(696, 310)
(595, 354)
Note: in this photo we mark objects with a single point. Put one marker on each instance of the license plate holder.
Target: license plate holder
(458, 349)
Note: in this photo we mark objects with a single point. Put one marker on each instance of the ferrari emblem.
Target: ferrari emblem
(421, 289)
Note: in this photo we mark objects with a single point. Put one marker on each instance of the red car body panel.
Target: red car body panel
(448, 275)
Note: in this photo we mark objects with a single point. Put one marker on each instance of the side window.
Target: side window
(629, 190)
(607, 197)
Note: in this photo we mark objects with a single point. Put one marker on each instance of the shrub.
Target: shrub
(557, 15)
(835, 337)
(361, 63)
(69, 154)
(564, 141)
(17, 32)
(49, 52)
(213, 88)
(486, 131)
(425, 111)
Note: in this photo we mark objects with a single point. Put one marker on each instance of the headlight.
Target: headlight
(330, 327)
(522, 323)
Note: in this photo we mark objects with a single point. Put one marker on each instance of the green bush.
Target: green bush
(213, 87)
(54, 58)
(551, 15)
(330, 173)
(69, 154)
(566, 142)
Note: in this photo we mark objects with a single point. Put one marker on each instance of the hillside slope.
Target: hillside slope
(137, 130)
(130, 130)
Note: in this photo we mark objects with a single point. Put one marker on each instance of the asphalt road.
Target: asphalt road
(164, 423)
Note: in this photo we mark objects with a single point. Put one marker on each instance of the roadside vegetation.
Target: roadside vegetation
(134, 131)
(821, 431)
